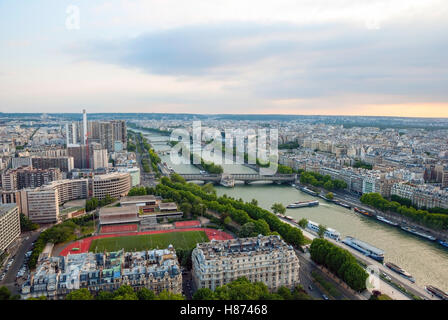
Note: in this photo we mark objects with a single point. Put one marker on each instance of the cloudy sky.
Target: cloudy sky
(352, 57)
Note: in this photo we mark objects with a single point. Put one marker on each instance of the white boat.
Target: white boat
(380, 218)
(303, 204)
(418, 233)
(329, 233)
(365, 248)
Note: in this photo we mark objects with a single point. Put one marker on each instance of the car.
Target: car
(325, 297)
(310, 287)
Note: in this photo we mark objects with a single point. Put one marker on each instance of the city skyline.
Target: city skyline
(323, 58)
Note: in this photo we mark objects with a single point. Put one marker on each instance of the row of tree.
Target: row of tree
(339, 261)
(239, 211)
(125, 292)
(93, 203)
(325, 181)
(438, 221)
(243, 289)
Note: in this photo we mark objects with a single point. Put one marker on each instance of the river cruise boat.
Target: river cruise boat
(302, 204)
(380, 218)
(330, 233)
(418, 233)
(400, 271)
(364, 212)
(437, 292)
(365, 248)
(309, 191)
(342, 204)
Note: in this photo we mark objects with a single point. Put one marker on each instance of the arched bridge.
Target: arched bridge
(245, 177)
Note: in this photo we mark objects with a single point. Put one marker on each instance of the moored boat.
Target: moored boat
(342, 204)
(418, 233)
(400, 271)
(364, 212)
(437, 292)
(380, 218)
(303, 204)
(443, 243)
(365, 248)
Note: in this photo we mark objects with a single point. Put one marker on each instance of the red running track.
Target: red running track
(84, 244)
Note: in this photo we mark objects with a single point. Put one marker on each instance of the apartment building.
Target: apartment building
(64, 163)
(9, 225)
(55, 277)
(28, 177)
(264, 258)
(115, 184)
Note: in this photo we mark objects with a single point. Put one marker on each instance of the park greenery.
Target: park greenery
(60, 233)
(438, 221)
(93, 203)
(26, 224)
(340, 262)
(125, 292)
(278, 208)
(303, 223)
(243, 289)
(362, 164)
(239, 211)
(324, 181)
(5, 294)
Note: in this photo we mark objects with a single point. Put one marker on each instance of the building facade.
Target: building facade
(55, 277)
(264, 258)
(115, 184)
(9, 225)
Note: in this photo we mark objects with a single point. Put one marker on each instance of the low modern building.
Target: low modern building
(264, 258)
(55, 277)
(9, 225)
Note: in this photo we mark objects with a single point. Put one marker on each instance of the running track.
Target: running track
(84, 244)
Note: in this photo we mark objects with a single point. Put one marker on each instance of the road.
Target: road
(10, 278)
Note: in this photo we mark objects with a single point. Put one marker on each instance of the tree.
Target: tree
(146, 294)
(303, 223)
(330, 196)
(105, 295)
(278, 208)
(166, 295)
(26, 224)
(204, 294)
(125, 292)
(254, 202)
(5, 294)
(247, 230)
(80, 294)
(186, 208)
(227, 220)
(322, 230)
(208, 188)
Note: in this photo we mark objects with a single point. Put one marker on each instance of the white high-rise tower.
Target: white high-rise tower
(84, 124)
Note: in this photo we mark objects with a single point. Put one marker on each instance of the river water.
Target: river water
(427, 261)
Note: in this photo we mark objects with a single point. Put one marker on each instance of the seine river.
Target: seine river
(425, 260)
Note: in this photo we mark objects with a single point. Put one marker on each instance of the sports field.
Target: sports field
(180, 240)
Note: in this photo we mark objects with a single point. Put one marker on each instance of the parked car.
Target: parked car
(325, 297)
(310, 287)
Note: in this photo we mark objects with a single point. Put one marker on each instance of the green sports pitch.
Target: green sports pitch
(180, 240)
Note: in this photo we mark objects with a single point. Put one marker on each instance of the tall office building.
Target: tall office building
(27, 177)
